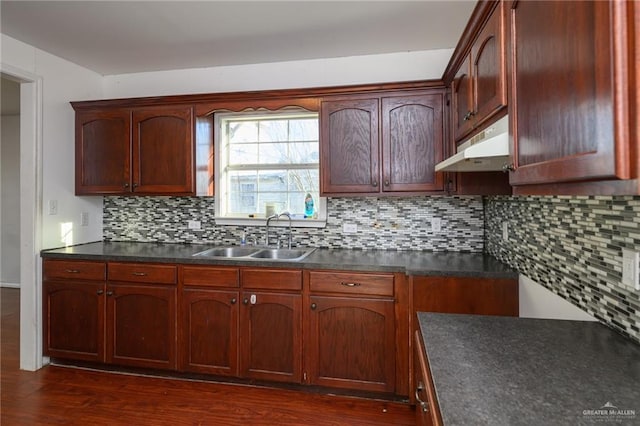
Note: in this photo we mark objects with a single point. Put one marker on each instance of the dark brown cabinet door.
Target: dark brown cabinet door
(210, 331)
(462, 100)
(349, 146)
(567, 82)
(351, 343)
(271, 336)
(412, 143)
(103, 151)
(489, 68)
(74, 320)
(141, 325)
(163, 153)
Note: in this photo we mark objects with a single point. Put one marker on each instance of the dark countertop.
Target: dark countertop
(411, 262)
(490, 370)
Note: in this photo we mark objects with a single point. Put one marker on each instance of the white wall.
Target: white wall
(62, 82)
(538, 302)
(405, 66)
(46, 172)
(10, 203)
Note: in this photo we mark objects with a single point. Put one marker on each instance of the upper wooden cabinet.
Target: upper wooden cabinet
(381, 143)
(479, 89)
(146, 150)
(574, 103)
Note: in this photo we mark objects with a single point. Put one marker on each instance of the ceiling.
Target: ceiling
(117, 37)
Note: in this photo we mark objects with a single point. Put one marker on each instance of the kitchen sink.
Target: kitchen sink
(228, 252)
(255, 253)
(282, 254)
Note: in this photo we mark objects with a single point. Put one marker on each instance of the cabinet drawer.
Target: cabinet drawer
(75, 270)
(210, 277)
(272, 279)
(350, 283)
(142, 273)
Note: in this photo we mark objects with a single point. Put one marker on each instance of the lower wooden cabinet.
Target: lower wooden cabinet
(351, 343)
(141, 325)
(209, 323)
(73, 320)
(73, 309)
(271, 336)
(350, 335)
(209, 320)
(427, 410)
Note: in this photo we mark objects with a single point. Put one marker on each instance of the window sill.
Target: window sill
(296, 223)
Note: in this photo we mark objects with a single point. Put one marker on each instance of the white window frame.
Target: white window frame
(220, 167)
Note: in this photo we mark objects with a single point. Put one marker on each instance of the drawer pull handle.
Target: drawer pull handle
(424, 405)
(139, 274)
(346, 284)
(72, 271)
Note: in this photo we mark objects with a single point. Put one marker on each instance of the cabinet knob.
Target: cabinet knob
(109, 293)
(233, 301)
(374, 183)
(386, 182)
(126, 185)
(100, 292)
(468, 115)
(314, 306)
(245, 301)
(508, 168)
(135, 185)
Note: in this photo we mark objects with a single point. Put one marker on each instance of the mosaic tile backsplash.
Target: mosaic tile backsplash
(383, 223)
(572, 246)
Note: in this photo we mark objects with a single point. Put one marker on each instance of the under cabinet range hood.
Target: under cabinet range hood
(484, 152)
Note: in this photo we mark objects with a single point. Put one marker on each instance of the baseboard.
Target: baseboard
(10, 285)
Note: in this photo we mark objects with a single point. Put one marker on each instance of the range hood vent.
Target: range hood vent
(486, 151)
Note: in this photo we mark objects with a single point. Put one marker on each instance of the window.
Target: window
(268, 162)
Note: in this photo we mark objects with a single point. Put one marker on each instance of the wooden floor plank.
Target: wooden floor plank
(71, 396)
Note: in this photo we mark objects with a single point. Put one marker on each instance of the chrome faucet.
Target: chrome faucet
(269, 219)
(288, 216)
(277, 217)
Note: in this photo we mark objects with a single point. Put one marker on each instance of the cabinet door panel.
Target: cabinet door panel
(412, 142)
(489, 68)
(103, 152)
(74, 320)
(563, 99)
(349, 146)
(351, 343)
(271, 336)
(141, 326)
(163, 153)
(462, 100)
(210, 331)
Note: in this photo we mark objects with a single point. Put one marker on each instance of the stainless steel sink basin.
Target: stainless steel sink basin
(228, 252)
(255, 253)
(282, 254)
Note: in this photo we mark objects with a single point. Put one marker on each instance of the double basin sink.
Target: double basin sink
(255, 253)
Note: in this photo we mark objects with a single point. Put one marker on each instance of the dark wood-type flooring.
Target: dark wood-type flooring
(63, 395)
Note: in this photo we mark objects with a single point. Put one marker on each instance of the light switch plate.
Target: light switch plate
(53, 207)
(349, 228)
(193, 224)
(630, 268)
(505, 231)
(84, 219)
(436, 224)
